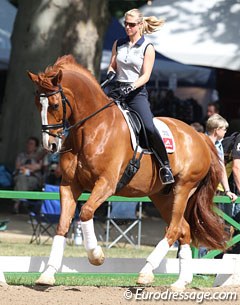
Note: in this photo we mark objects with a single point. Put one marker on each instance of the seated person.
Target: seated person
(51, 169)
(28, 170)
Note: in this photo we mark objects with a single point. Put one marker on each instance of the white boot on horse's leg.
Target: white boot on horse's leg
(2, 279)
(95, 254)
(54, 262)
(185, 273)
(146, 276)
(47, 277)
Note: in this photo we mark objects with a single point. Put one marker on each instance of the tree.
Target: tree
(43, 31)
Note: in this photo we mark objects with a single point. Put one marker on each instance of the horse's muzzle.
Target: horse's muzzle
(52, 144)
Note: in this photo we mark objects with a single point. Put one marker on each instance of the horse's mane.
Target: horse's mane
(66, 62)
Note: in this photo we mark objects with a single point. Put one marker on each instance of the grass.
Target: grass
(119, 280)
(23, 248)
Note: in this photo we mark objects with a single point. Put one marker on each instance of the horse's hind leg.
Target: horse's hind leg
(185, 256)
(68, 206)
(178, 229)
(164, 205)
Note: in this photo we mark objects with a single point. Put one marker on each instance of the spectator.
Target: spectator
(216, 128)
(28, 170)
(197, 126)
(51, 169)
(234, 179)
(212, 109)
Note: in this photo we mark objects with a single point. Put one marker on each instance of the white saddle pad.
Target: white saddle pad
(163, 129)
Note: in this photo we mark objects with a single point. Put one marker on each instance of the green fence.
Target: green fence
(8, 194)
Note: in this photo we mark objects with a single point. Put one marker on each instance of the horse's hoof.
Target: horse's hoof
(179, 285)
(145, 278)
(45, 280)
(96, 256)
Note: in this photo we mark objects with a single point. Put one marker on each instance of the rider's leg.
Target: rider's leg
(160, 153)
(138, 101)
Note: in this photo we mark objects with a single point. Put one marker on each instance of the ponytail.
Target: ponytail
(150, 24)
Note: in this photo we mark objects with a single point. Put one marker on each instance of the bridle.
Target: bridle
(64, 125)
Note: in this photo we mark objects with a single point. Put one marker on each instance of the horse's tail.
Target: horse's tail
(207, 228)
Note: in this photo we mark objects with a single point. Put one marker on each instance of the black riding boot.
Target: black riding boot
(159, 150)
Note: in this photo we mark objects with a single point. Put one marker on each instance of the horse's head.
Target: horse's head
(53, 106)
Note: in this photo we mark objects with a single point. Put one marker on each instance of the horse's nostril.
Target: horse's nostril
(54, 147)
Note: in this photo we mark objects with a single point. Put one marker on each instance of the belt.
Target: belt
(121, 84)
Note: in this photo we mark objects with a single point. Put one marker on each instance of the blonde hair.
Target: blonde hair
(150, 24)
(214, 122)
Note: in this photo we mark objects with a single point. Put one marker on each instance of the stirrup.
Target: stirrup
(166, 175)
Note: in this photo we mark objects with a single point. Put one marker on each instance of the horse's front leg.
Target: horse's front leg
(68, 205)
(101, 191)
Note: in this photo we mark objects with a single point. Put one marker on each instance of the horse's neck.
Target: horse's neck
(88, 95)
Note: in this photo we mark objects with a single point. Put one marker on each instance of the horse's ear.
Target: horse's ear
(57, 78)
(32, 76)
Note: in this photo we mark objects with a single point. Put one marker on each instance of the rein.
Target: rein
(45, 128)
(90, 116)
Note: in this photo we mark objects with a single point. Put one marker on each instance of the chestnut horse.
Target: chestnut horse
(94, 156)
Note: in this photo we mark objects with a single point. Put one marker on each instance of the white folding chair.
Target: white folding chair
(124, 217)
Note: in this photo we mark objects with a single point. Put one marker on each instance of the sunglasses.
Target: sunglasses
(130, 24)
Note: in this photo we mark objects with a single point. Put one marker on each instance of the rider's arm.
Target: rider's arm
(148, 63)
(113, 63)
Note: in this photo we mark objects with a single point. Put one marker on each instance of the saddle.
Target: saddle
(140, 141)
(138, 133)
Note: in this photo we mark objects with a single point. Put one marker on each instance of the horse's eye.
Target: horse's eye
(54, 106)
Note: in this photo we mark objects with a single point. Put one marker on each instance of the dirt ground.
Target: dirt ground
(61, 295)
(75, 295)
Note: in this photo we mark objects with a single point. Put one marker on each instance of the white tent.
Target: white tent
(197, 32)
(7, 17)
(164, 68)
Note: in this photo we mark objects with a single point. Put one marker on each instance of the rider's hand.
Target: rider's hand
(111, 75)
(126, 89)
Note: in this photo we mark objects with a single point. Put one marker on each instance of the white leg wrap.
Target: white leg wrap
(56, 255)
(90, 240)
(2, 277)
(185, 257)
(185, 273)
(155, 258)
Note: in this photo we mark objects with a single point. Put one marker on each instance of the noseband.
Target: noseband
(63, 125)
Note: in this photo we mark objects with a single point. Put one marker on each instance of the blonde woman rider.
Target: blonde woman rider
(132, 61)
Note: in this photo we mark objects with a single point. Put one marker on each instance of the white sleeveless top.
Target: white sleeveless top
(130, 59)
